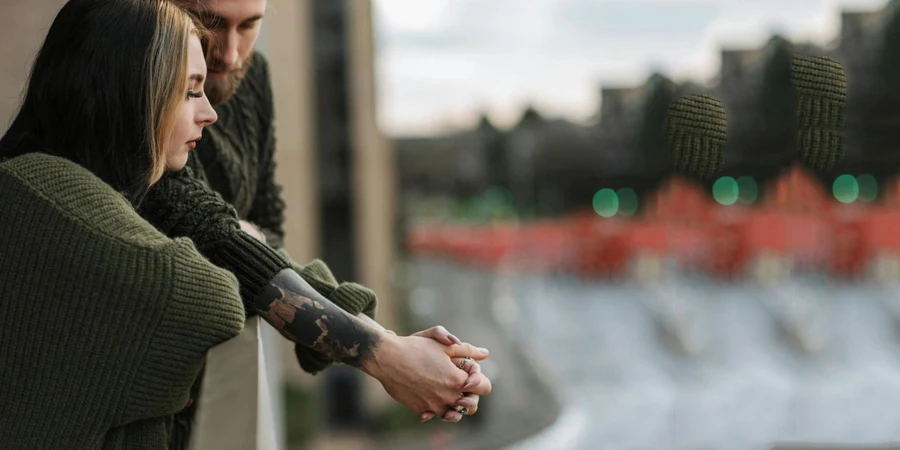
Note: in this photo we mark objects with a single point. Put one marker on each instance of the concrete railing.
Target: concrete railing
(240, 405)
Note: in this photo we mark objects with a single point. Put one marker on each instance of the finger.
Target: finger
(473, 382)
(440, 334)
(467, 351)
(469, 401)
(471, 367)
(453, 339)
(482, 387)
(452, 416)
(426, 416)
(467, 364)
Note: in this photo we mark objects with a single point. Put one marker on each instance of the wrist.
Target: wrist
(375, 365)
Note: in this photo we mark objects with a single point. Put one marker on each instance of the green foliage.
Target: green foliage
(302, 412)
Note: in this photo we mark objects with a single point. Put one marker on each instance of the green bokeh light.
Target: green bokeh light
(628, 202)
(845, 189)
(606, 202)
(868, 188)
(748, 190)
(725, 191)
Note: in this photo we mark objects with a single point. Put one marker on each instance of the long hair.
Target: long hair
(104, 90)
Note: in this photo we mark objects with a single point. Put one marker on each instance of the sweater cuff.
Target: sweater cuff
(355, 299)
(252, 262)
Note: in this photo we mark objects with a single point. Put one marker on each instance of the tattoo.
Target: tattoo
(302, 315)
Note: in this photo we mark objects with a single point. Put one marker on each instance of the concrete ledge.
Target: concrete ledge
(235, 409)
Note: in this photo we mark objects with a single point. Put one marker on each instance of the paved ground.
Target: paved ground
(521, 404)
(809, 361)
(752, 384)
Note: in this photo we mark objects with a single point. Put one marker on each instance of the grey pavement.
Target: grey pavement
(809, 361)
(522, 402)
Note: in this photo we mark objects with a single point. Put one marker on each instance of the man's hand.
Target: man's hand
(419, 373)
(416, 371)
(253, 230)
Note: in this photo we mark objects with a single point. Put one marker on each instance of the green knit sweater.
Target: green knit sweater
(105, 321)
(235, 159)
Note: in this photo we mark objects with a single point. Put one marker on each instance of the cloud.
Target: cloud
(440, 62)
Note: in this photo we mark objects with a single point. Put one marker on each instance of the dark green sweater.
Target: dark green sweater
(105, 321)
(236, 159)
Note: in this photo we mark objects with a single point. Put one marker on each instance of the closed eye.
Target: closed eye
(195, 94)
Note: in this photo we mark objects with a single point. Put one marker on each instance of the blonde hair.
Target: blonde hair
(167, 64)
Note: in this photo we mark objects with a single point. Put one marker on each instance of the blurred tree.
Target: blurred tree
(656, 157)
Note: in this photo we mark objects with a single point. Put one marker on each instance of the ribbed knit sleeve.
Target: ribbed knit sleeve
(180, 205)
(268, 207)
(204, 310)
(105, 321)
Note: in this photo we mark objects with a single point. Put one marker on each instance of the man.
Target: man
(236, 159)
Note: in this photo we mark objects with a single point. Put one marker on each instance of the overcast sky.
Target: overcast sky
(441, 62)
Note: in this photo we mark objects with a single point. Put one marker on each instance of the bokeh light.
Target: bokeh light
(725, 191)
(606, 202)
(845, 189)
(868, 188)
(748, 190)
(628, 202)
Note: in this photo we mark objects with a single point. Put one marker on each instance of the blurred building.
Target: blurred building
(555, 161)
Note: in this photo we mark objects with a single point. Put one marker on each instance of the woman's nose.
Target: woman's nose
(207, 115)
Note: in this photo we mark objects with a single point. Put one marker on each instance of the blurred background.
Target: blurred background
(484, 165)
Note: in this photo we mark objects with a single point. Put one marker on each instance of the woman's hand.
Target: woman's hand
(469, 400)
(418, 372)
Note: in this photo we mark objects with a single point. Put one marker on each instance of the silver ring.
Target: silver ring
(462, 364)
(462, 410)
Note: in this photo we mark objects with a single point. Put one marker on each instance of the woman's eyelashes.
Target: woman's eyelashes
(194, 94)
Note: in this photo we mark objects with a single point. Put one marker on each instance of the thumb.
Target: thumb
(467, 351)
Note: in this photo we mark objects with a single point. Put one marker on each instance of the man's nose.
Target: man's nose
(227, 48)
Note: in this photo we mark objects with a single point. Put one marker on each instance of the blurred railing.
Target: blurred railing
(240, 406)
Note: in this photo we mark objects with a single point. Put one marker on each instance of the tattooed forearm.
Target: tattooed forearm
(302, 315)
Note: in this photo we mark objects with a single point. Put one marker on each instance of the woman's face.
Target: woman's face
(193, 114)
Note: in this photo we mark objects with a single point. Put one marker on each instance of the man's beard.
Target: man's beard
(220, 89)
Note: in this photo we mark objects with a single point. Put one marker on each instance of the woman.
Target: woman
(106, 321)
(96, 301)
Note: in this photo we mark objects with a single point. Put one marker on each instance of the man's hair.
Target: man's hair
(104, 90)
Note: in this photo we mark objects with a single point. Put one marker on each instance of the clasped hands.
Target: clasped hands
(430, 372)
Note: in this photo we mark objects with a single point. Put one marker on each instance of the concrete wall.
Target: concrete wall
(23, 26)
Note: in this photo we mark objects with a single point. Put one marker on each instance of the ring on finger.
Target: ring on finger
(462, 410)
(462, 364)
